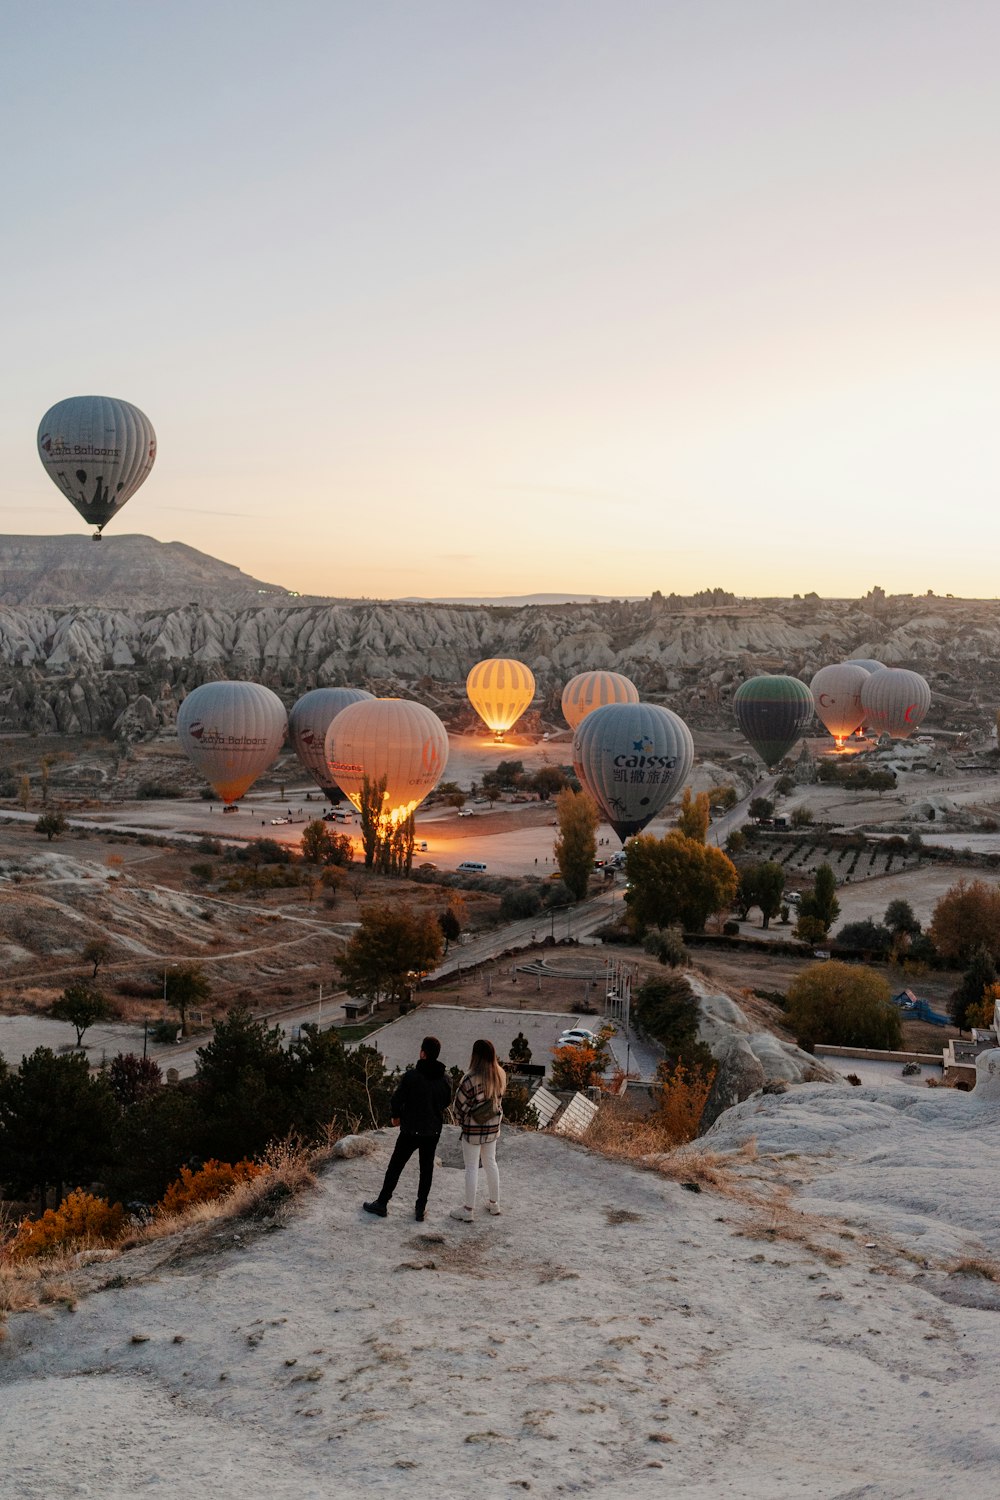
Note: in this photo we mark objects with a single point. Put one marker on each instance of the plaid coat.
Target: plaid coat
(467, 1097)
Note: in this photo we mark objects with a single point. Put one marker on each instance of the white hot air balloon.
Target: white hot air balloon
(632, 758)
(589, 690)
(500, 690)
(836, 692)
(232, 732)
(97, 450)
(389, 739)
(308, 722)
(869, 664)
(895, 701)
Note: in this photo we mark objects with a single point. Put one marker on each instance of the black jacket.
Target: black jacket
(421, 1099)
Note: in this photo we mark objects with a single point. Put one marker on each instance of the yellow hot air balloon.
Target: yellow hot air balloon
(389, 739)
(589, 690)
(500, 690)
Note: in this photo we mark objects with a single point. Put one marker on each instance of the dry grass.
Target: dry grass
(783, 1223)
(972, 1266)
(647, 1141)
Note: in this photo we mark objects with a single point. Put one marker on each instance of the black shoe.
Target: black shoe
(418, 1214)
(376, 1207)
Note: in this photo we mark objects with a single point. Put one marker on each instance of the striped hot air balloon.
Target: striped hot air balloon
(589, 690)
(308, 722)
(895, 702)
(97, 450)
(392, 739)
(500, 690)
(772, 712)
(836, 693)
(232, 732)
(632, 758)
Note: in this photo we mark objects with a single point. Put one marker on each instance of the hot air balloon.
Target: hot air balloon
(895, 701)
(500, 690)
(589, 690)
(97, 451)
(772, 713)
(232, 732)
(868, 664)
(308, 722)
(836, 693)
(632, 758)
(389, 738)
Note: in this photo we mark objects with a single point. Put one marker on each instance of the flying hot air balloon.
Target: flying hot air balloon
(232, 732)
(589, 690)
(895, 701)
(97, 451)
(500, 690)
(772, 712)
(389, 739)
(632, 758)
(308, 722)
(836, 693)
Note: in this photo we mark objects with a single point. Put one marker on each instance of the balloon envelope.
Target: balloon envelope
(308, 722)
(589, 690)
(632, 758)
(97, 450)
(895, 701)
(387, 737)
(500, 690)
(836, 693)
(232, 732)
(868, 664)
(772, 713)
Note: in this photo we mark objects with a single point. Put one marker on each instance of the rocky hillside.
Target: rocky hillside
(125, 570)
(76, 669)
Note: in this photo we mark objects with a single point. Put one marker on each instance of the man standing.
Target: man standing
(418, 1107)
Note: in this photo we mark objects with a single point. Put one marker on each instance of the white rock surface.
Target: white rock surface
(722, 1019)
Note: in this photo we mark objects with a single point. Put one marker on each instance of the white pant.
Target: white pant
(471, 1151)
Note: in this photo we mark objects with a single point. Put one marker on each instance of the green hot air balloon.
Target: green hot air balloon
(772, 712)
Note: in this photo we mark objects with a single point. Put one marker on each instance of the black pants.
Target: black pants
(402, 1151)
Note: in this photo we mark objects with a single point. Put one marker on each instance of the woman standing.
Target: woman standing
(479, 1107)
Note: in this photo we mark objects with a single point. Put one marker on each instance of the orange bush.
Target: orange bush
(212, 1180)
(80, 1218)
(680, 1096)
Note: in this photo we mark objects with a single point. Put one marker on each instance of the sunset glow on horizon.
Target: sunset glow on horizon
(457, 299)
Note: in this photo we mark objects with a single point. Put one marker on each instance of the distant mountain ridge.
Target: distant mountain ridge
(123, 571)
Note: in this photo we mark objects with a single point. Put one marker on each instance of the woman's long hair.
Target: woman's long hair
(486, 1071)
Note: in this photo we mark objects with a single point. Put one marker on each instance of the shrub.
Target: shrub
(518, 1108)
(680, 1092)
(667, 944)
(79, 1219)
(844, 1005)
(523, 901)
(213, 1180)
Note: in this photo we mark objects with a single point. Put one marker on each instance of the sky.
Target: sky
(435, 297)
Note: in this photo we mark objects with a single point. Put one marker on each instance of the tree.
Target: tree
(131, 1078)
(770, 885)
(331, 1084)
(809, 929)
(900, 920)
(56, 1125)
(372, 799)
(52, 824)
(668, 1011)
(881, 781)
(450, 925)
(736, 841)
(186, 985)
(821, 902)
(576, 844)
(967, 917)
(314, 842)
(519, 1053)
(844, 1005)
(82, 1005)
(694, 816)
(867, 937)
(519, 902)
(242, 1076)
(723, 796)
(392, 949)
(24, 792)
(97, 951)
(548, 780)
(801, 817)
(761, 808)
(978, 979)
(784, 785)
(675, 879)
(581, 1067)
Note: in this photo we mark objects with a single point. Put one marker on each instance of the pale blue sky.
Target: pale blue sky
(503, 297)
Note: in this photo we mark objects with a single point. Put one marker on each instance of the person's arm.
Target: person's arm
(398, 1101)
(465, 1099)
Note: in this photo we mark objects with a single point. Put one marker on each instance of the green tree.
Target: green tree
(547, 781)
(450, 925)
(186, 985)
(576, 844)
(724, 797)
(761, 808)
(131, 1078)
(315, 842)
(56, 1125)
(97, 951)
(668, 1011)
(821, 902)
(694, 816)
(82, 1005)
(392, 949)
(736, 841)
(329, 1084)
(867, 937)
(52, 824)
(900, 919)
(770, 885)
(519, 902)
(242, 1076)
(843, 1005)
(801, 817)
(676, 880)
(979, 977)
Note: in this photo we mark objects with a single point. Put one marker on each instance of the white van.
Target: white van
(473, 865)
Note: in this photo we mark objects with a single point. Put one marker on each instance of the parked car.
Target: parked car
(578, 1036)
